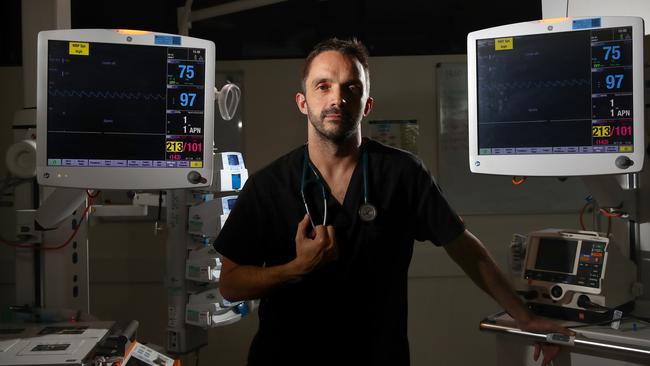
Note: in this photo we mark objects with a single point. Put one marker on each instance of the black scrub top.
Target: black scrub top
(352, 311)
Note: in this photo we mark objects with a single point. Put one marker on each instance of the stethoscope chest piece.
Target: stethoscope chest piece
(367, 212)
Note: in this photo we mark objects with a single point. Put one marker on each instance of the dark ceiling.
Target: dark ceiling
(400, 27)
(289, 29)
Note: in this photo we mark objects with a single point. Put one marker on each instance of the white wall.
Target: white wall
(36, 15)
(11, 100)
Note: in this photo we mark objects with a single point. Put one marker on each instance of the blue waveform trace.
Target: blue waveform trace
(105, 94)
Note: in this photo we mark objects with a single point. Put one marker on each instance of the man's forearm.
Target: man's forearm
(243, 282)
(493, 281)
(474, 259)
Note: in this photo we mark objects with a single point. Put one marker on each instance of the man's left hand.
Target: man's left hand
(544, 326)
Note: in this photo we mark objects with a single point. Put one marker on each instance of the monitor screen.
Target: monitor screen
(556, 255)
(562, 97)
(124, 110)
(233, 160)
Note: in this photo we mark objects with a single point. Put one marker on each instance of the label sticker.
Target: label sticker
(168, 40)
(79, 48)
(501, 44)
(586, 23)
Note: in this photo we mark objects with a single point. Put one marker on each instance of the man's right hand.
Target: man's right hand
(314, 247)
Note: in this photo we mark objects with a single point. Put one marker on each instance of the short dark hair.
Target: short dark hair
(352, 48)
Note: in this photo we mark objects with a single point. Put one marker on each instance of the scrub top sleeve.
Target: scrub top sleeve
(435, 220)
(240, 238)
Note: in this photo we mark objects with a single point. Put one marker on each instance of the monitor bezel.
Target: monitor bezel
(557, 164)
(121, 177)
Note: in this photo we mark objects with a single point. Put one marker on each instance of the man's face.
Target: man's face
(336, 97)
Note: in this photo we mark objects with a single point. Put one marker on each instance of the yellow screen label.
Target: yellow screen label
(601, 131)
(501, 44)
(196, 164)
(174, 146)
(79, 48)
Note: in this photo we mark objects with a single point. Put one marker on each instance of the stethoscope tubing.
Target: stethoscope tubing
(306, 163)
(303, 180)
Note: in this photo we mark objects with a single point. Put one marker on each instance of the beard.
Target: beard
(336, 133)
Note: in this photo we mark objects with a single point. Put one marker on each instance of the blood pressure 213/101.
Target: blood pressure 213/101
(612, 132)
(184, 148)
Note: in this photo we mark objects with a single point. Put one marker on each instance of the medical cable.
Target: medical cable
(518, 180)
(23, 245)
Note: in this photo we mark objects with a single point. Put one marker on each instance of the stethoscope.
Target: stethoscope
(367, 212)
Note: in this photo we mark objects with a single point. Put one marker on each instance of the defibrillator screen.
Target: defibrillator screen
(556, 255)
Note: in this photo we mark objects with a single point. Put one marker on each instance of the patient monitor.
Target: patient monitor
(557, 97)
(119, 109)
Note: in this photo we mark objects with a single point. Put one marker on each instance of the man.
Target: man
(324, 235)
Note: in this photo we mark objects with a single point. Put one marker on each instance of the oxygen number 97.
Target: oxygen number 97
(187, 99)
